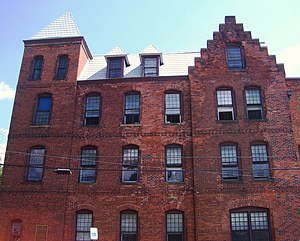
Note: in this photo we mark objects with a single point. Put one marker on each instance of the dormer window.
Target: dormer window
(150, 66)
(115, 67)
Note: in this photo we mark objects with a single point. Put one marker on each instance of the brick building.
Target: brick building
(151, 146)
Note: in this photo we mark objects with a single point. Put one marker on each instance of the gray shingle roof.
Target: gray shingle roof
(62, 27)
(175, 64)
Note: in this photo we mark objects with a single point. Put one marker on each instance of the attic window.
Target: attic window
(234, 57)
(115, 67)
(150, 66)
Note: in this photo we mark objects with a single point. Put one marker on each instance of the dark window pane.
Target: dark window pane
(255, 114)
(229, 162)
(132, 109)
(88, 166)
(175, 237)
(150, 66)
(62, 67)
(234, 57)
(83, 224)
(130, 165)
(42, 115)
(226, 115)
(37, 68)
(36, 165)
(174, 175)
(254, 107)
(92, 110)
(173, 108)
(174, 227)
(115, 68)
(128, 237)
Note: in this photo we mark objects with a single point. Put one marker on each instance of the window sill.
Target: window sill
(129, 183)
(174, 124)
(256, 120)
(231, 180)
(39, 182)
(267, 179)
(227, 121)
(39, 126)
(174, 183)
(94, 125)
(236, 69)
(129, 125)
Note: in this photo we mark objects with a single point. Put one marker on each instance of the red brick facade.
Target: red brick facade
(205, 198)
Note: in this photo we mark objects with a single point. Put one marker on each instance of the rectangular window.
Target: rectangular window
(234, 57)
(172, 108)
(36, 165)
(229, 162)
(174, 171)
(115, 68)
(260, 161)
(83, 225)
(43, 109)
(254, 106)
(92, 110)
(132, 108)
(130, 165)
(88, 165)
(37, 68)
(250, 226)
(41, 233)
(16, 229)
(62, 67)
(225, 105)
(150, 66)
(174, 227)
(128, 227)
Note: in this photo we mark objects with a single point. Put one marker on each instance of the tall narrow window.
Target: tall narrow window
(43, 110)
(129, 226)
(16, 228)
(250, 225)
(234, 57)
(88, 165)
(132, 108)
(37, 68)
(115, 68)
(254, 106)
(41, 233)
(92, 110)
(130, 165)
(150, 66)
(36, 164)
(62, 67)
(175, 226)
(225, 105)
(84, 220)
(229, 161)
(260, 161)
(173, 108)
(174, 171)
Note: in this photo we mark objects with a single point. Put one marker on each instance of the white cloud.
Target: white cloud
(6, 92)
(290, 58)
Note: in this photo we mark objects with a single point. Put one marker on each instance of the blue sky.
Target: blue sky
(171, 25)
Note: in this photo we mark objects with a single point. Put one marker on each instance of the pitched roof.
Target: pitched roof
(150, 49)
(117, 52)
(62, 27)
(175, 64)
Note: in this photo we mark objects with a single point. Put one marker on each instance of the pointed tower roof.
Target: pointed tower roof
(151, 50)
(63, 27)
(117, 52)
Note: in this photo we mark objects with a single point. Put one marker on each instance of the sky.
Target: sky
(171, 25)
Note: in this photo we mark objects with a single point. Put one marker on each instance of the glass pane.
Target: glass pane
(229, 156)
(174, 223)
(93, 103)
(131, 156)
(151, 62)
(234, 57)
(128, 237)
(83, 224)
(35, 173)
(63, 62)
(254, 112)
(230, 172)
(88, 157)
(239, 221)
(252, 96)
(174, 156)
(224, 97)
(115, 63)
(259, 220)
(87, 175)
(115, 73)
(44, 103)
(225, 113)
(174, 175)
(259, 153)
(172, 103)
(129, 174)
(132, 104)
(128, 222)
(261, 170)
(37, 156)
(260, 235)
(175, 237)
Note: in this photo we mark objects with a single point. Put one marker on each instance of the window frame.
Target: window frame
(182, 233)
(36, 166)
(174, 167)
(109, 67)
(225, 108)
(62, 68)
(136, 232)
(234, 168)
(157, 59)
(126, 119)
(37, 68)
(88, 167)
(264, 162)
(77, 232)
(39, 111)
(16, 229)
(130, 167)
(231, 60)
(180, 115)
(86, 118)
(255, 107)
(249, 230)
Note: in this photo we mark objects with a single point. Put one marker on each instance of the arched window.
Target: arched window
(130, 164)
(88, 163)
(36, 164)
(173, 107)
(251, 224)
(132, 108)
(175, 226)
(129, 225)
(43, 110)
(174, 173)
(84, 221)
